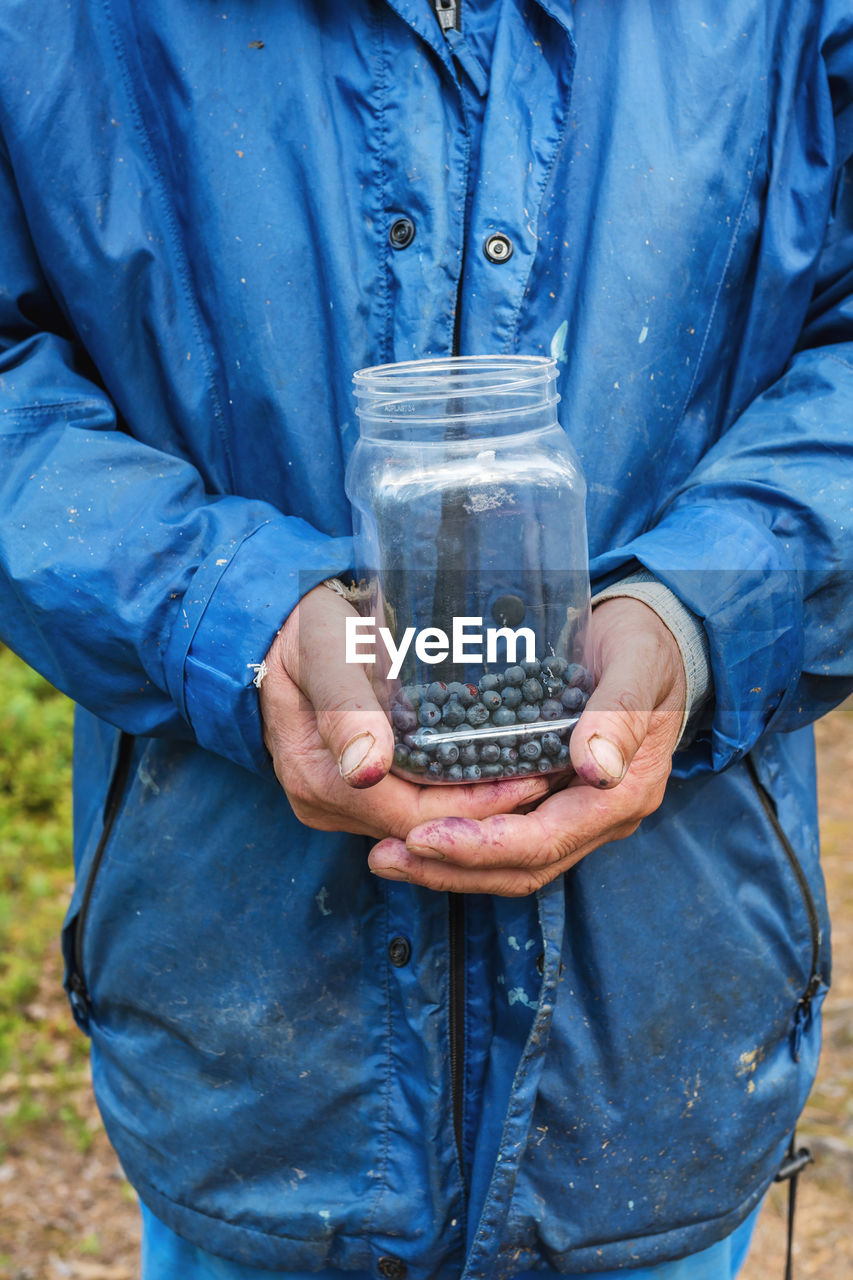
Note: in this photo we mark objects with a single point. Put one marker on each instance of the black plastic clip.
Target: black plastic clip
(789, 1171)
(794, 1164)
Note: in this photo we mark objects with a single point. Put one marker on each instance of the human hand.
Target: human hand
(332, 744)
(621, 751)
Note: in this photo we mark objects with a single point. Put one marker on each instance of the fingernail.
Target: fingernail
(426, 850)
(388, 873)
(355, 753)
(607, 756)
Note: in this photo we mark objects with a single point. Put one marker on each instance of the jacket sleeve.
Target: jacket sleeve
(757, 540)
(121, 580)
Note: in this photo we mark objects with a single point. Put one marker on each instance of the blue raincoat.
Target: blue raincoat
(196, 208)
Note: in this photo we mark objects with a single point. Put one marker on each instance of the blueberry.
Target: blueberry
(509, 755)
(572, 699)
(551, 744)
(454, 773)
(468, 694)
(563, 758)
(429, 714)
(551, 709)
(488, 683)
(438, 693)
(552, 685)
(428, 740)
(490, 699)
(453, 714)
(469, 754)
(532, 667)
(476, 714)
(447, 753)
(490, 753)
(578, 677)
(401, 755)
(531, 690)
(556, 666)
(403, 718)
(418, 761)
(410, 695)
(511, 696)
(435, 770)
(491, 771)
(503, 716)
(472, 773)
(455, 688)
(526, 766)
(509, 770)
(530, 750)
(514, 676)
(527, 713)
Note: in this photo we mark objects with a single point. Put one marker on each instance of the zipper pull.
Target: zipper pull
(78, 998)
(446, 11)
(803, 1016)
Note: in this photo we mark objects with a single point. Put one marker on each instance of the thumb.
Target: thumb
(613, 725)
(354, 727)
(348, 716)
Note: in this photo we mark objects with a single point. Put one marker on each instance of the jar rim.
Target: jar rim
(461, 387)
(435, 368)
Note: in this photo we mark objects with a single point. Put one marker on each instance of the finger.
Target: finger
(394, 806)
(391, 860)
(478, 800)
(641, 687)
(349, 719)
(565, 826)
(615, 721)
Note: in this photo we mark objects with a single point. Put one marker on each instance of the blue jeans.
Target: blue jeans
(166, 1256)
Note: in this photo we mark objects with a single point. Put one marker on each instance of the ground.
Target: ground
(66, 1210)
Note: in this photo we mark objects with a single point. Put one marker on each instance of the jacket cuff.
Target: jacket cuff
(237, 602)
(687, 630)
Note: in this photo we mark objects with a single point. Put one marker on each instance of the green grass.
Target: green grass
(39, 1050)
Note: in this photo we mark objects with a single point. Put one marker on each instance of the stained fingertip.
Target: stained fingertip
(599, 762)
(608, 757)
(388, 859)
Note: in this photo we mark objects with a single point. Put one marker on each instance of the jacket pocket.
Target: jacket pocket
(75, 926)
(803, 1011)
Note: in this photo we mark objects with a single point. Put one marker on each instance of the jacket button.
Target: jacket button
(402, 233)
(498, 247)
(392, 1268)
(399, 951)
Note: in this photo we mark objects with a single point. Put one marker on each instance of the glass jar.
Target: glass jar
(471, 550)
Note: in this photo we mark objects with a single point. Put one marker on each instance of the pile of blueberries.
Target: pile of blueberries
(514, 722)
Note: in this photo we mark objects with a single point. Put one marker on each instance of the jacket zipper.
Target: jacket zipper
(448, 14)
(115, 795)
(803, 1011)
(456, 910)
